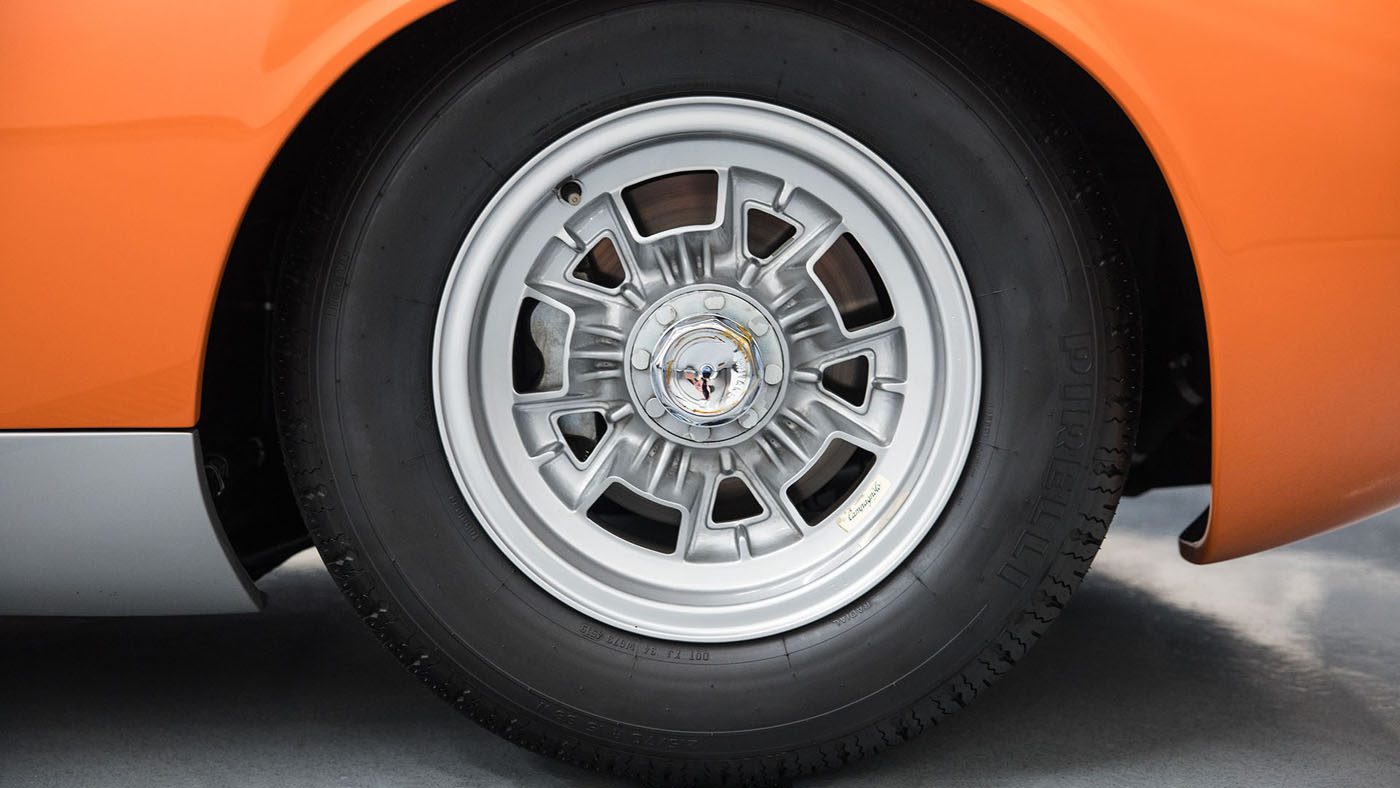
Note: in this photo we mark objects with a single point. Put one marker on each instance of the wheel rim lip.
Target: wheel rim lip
(881, 549)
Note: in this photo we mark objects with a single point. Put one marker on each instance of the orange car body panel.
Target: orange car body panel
(133, 135)
(1276, 125)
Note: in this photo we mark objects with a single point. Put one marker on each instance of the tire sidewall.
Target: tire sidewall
(382, 494)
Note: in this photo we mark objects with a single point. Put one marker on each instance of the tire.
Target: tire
(358, 310)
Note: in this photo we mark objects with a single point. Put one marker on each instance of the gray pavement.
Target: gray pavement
(1278, 669)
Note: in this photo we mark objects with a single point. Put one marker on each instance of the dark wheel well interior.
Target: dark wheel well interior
(242, 452)
(1173, 438)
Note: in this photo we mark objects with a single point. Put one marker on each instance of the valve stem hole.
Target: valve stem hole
(570, 192)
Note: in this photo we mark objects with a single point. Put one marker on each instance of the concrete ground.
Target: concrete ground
(1279, 669)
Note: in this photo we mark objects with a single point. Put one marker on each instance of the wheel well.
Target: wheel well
(243, 455)
(237, 425)
(1173, 438)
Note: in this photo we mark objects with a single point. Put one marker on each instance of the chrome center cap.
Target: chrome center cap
(707, 365)
(706, 370)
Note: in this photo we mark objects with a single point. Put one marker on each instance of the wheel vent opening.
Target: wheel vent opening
(848, 276)
(832, 479)
(766, 234)
(735, 501)
(848, 380)
(537, 352)
(602, 266)
(669, 202)
(582, 432)
(635, 519)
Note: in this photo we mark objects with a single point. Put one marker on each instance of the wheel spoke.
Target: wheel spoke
(658, 468)
(771, 535)
(701, 540)
(586, 300)
(770, 461)
(781, 514)
(811, 242)
(578, 487)
(801, 310)
(553, 272)
(679, 261)
(535, 415)
(641, 259)
(882, 343)
(703, 544)
(874, 425)
(744, 189)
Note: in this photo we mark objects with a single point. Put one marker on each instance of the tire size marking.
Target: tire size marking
(640, 647)
(463, 515)
(850, 616)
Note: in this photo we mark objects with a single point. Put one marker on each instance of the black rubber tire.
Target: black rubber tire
(962, 122)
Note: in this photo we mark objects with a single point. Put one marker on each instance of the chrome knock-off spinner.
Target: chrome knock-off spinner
(707, 365)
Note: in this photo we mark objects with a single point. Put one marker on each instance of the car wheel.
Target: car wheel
(708, 391)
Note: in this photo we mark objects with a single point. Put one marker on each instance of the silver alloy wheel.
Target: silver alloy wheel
(705, 363)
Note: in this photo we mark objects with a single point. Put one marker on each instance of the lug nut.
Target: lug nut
(654, 408)
(759, 327)
(666, 315)
(772, 374)
(748, 420)
(714, 302)
(699, 433)
(641, 359)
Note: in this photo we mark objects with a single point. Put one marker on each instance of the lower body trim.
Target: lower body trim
(113, 524)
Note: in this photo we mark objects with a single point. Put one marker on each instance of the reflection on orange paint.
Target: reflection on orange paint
(132, 136)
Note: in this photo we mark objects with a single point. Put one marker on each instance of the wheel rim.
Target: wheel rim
(602, 377)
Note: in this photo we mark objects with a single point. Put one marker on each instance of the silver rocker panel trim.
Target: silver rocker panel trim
(113, 524)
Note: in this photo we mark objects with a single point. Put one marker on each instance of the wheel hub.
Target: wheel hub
(707, 365)
(704, 372)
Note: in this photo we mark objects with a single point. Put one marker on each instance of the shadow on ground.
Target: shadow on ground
(1278, 669)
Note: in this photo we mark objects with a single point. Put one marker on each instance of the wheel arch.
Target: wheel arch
(237, 423)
